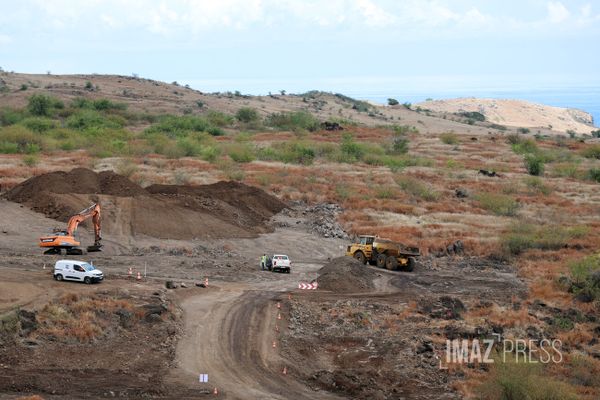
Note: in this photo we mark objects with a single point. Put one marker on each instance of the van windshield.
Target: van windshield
(88, 267)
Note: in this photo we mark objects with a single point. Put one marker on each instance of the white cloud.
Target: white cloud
(187, 18)
(557, 12)
(5, 39)
(373, 14)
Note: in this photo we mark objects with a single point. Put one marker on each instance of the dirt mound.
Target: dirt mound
(346, 275)
(221, 210)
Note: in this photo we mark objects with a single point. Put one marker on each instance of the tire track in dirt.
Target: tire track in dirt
(229, 335)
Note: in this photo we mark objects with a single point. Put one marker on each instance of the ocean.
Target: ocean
(580, 95)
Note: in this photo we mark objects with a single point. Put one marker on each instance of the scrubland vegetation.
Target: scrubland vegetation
(398, 181)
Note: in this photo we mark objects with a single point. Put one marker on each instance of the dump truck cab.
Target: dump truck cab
(362, 250)
(383, 253)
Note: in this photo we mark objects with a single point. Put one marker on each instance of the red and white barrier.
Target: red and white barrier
(308, 286)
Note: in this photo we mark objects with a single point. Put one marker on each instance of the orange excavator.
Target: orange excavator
(64, 239)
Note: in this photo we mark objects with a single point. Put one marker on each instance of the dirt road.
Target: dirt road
(230, 336)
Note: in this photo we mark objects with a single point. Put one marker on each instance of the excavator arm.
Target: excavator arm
(93, 212)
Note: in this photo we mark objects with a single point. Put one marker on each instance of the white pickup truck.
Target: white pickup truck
(77, 271)
(281, 263)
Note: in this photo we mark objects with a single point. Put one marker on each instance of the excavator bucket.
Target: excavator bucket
(94, 248)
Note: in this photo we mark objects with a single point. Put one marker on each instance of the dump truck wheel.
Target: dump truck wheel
(381, 260)
(410, 266)
(360, 256)
(391, 263)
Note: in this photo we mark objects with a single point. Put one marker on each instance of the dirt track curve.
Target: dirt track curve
(230, 335)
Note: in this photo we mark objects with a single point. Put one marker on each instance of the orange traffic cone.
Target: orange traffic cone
(278, 305)
(276, 328)
(274, 344)
(278, 315)
(139, 276)
(216, 391)
(206, 282)
(284, 370)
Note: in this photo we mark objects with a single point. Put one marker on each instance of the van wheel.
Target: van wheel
(87, 280)
(58, 277)
(381, 260)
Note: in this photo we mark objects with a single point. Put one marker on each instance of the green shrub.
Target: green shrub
(592, 151)
(474, 115)
(351, 151)
(210, 153)
(176, 126)
(449, 138)
(88, 119)
(298, 153)
(499, 204)
(534, 164)
(293, 121)
(40, 105)
(39, 124)
(8, 147)
(520, 380)
(415, 188)
(393, 102)
(399, 145)
(219, 119)
(241, 153)
(289, 152)
(9, 116)
(584, 274)
(522, 236)
(247, 114)
(403, 129)
(525, 146)
(523, 131)
(21, 138)
(594, 174)
(189, 147)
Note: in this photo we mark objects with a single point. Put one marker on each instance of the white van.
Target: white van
(77, 271)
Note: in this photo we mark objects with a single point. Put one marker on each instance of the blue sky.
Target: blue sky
(317, 44)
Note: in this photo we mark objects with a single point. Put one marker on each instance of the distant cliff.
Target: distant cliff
(518, 113)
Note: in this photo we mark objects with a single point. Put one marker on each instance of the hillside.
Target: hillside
(522, 204)
(518, 113)
(150, 96)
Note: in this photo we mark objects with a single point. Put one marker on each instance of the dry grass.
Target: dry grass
(80, 318)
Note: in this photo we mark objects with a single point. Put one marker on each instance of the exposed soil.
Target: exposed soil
(358, 336)
(346, 275)
(94, 343)
(224, 209)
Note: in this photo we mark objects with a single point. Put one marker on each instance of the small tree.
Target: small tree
(246, 114)
(393, 102)
(399, 145)
(40, 105)
(534, 164)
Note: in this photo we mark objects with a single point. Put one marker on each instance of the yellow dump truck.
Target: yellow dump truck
(384, 253)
